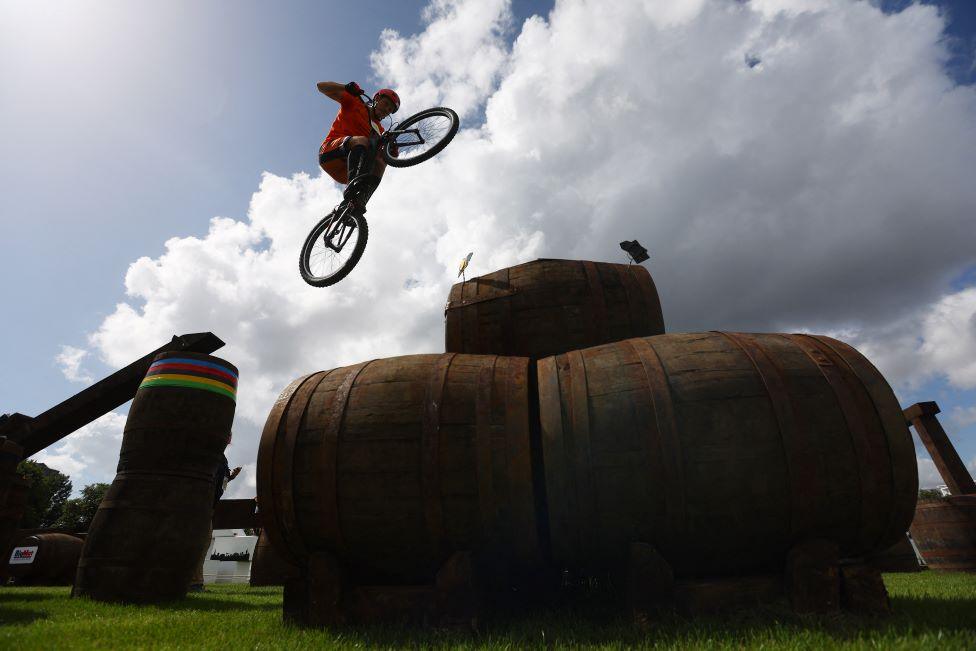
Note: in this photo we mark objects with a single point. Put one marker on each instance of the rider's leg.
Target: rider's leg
(358, 162)
(379, 166)
(332, 159)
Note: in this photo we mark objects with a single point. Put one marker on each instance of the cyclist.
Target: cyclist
(343, 154)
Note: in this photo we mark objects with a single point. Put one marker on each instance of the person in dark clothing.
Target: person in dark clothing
(222, 477)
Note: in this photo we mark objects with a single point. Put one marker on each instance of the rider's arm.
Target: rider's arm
(332, 89)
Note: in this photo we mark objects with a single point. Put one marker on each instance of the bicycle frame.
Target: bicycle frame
(391, 134)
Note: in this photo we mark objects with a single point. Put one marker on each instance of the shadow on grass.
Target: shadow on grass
(929, 613)
(912, 617)
(14, 616)
(7, 595)
(214, 603)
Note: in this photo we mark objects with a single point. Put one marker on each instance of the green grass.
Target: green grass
(931, 611)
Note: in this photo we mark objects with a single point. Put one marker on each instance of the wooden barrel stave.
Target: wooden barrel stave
(399, 462)
(673, 438)
(267, 566)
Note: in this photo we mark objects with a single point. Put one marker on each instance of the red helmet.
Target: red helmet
(389, 94)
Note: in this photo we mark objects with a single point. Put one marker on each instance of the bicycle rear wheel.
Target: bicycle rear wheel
(333, 247)
(436, 127)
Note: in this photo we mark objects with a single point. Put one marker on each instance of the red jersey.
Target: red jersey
(352, 120)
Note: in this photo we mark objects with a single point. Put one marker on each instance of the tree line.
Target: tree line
(49, 501)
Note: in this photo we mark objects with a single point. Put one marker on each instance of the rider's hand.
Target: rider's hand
(353, 89)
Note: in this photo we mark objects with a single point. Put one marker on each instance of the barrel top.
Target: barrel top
(197, 357)
(499, 280)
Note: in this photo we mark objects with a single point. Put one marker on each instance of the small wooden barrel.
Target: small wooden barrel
(548, 307)
(945, 531)
(152, 525)
(45, 559)
(268, 567)
(723, 450)
(393, 465)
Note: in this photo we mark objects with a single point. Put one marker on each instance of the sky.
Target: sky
(792, 165)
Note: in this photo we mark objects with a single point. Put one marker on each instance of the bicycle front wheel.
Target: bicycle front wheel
(421, 137)
(333, 247)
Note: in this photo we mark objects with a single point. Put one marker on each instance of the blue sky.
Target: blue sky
(103, 162)
(125, 125)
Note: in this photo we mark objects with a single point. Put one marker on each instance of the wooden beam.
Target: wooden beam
(936, 441)
(235, 514)
(45, 429)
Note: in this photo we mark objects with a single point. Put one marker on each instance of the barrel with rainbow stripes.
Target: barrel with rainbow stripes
(153, 525)
(211, 374)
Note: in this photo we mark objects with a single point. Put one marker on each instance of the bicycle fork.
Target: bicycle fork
(339, 231)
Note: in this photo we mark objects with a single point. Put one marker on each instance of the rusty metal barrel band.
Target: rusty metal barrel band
(559, 485)
(879, 468)
(632, 289)
(901, 450)
(518, 463)
(839, 383)
(662, 436)
(452, 325)
(266, 465)
(579, 411)
(598, 303)
(430, 451)
(487, 504)
(652, 302)
(452, 305)
(806, 481)
(285, 503)
(330, 456)
(467, 320)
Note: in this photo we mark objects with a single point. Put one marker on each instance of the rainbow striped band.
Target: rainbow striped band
(192, 374)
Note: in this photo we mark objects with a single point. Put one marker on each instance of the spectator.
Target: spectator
(223, 477)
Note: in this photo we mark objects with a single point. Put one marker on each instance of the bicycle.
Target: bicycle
(336, 243)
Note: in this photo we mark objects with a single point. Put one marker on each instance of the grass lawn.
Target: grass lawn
(931, 611)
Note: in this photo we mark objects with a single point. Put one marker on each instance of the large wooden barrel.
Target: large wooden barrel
(547, 307)
(151, 527)
(267, 565)
(722, 450)
(45, 559)
(394, 464)
(945, 531)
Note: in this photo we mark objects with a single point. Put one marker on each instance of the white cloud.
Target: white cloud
(961, 417)
(950, 337)
(70, 359)
(801, 192)
(928, 474)
(90, 454)
(454, 62)
(936, 341)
